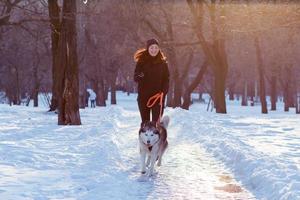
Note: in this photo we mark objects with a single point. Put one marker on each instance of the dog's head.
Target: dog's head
(149, 133)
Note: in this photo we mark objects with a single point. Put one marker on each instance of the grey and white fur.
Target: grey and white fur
(153, 143)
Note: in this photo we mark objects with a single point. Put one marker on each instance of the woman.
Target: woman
(152, 75)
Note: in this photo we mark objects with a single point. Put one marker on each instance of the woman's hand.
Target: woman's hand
(141, 75)
(138, 76)
(138, 73)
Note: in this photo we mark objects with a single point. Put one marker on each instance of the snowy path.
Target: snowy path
(187, 172)
(99, 160)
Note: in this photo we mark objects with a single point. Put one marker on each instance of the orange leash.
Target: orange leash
(152, 100)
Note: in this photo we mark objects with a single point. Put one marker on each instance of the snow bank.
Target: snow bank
(267, 176)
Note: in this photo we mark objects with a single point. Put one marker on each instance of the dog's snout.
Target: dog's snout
(148, 141)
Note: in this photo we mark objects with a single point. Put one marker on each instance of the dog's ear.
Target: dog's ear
(143, 124)
(142, 127)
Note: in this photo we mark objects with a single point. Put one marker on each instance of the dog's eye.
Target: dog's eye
(146, 134)
(151, 134)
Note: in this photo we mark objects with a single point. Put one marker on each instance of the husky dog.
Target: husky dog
(153, 143)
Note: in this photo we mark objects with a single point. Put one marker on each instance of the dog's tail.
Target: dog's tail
(165, 121)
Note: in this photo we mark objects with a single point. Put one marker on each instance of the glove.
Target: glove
(141, 75)
(138, 76)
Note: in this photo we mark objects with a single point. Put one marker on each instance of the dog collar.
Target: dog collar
(150, 147)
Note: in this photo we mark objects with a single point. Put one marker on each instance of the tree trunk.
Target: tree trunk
(193, 85)
(297, 103)
(262, 89)
(286, 89)
(286, 97)
(16, 90)
(251, 91)
(68, 62)
(201, 96)
(106, 90)
(263, 101)
(231, 92)
(181, 81)
(273, 92)
(255, 91)
(36, 85)
(81, 101)
(216, 52)
(55, 26)
(245, 94)
(292, 90)
(35, 96)
(170, 94)
(82, 92)
(220, 70)
(100, 94)
(219, 93)
(82, 98)
(252, 100)
(113, 98)
(177, 91)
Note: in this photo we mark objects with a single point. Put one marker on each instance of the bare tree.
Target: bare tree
(215, 51)
(68, 73)
(193, 85)
(261, 73)
(55, 25)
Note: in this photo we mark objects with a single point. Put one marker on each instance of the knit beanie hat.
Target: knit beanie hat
(151, 41)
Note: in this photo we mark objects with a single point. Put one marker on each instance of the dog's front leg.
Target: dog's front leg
(148, 160)
(143, 158)
(152, 162)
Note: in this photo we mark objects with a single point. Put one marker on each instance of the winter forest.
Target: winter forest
(234, 84)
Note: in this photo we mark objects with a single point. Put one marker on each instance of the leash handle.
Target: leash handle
(152, 100)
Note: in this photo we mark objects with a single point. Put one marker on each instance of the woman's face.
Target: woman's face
(153, 50)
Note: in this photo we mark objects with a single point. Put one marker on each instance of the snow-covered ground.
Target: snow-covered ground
(240, 155)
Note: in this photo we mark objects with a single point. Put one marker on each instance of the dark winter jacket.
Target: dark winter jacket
(152, 77)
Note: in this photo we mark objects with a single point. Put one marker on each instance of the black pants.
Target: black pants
(145, 111)
(93, 105)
